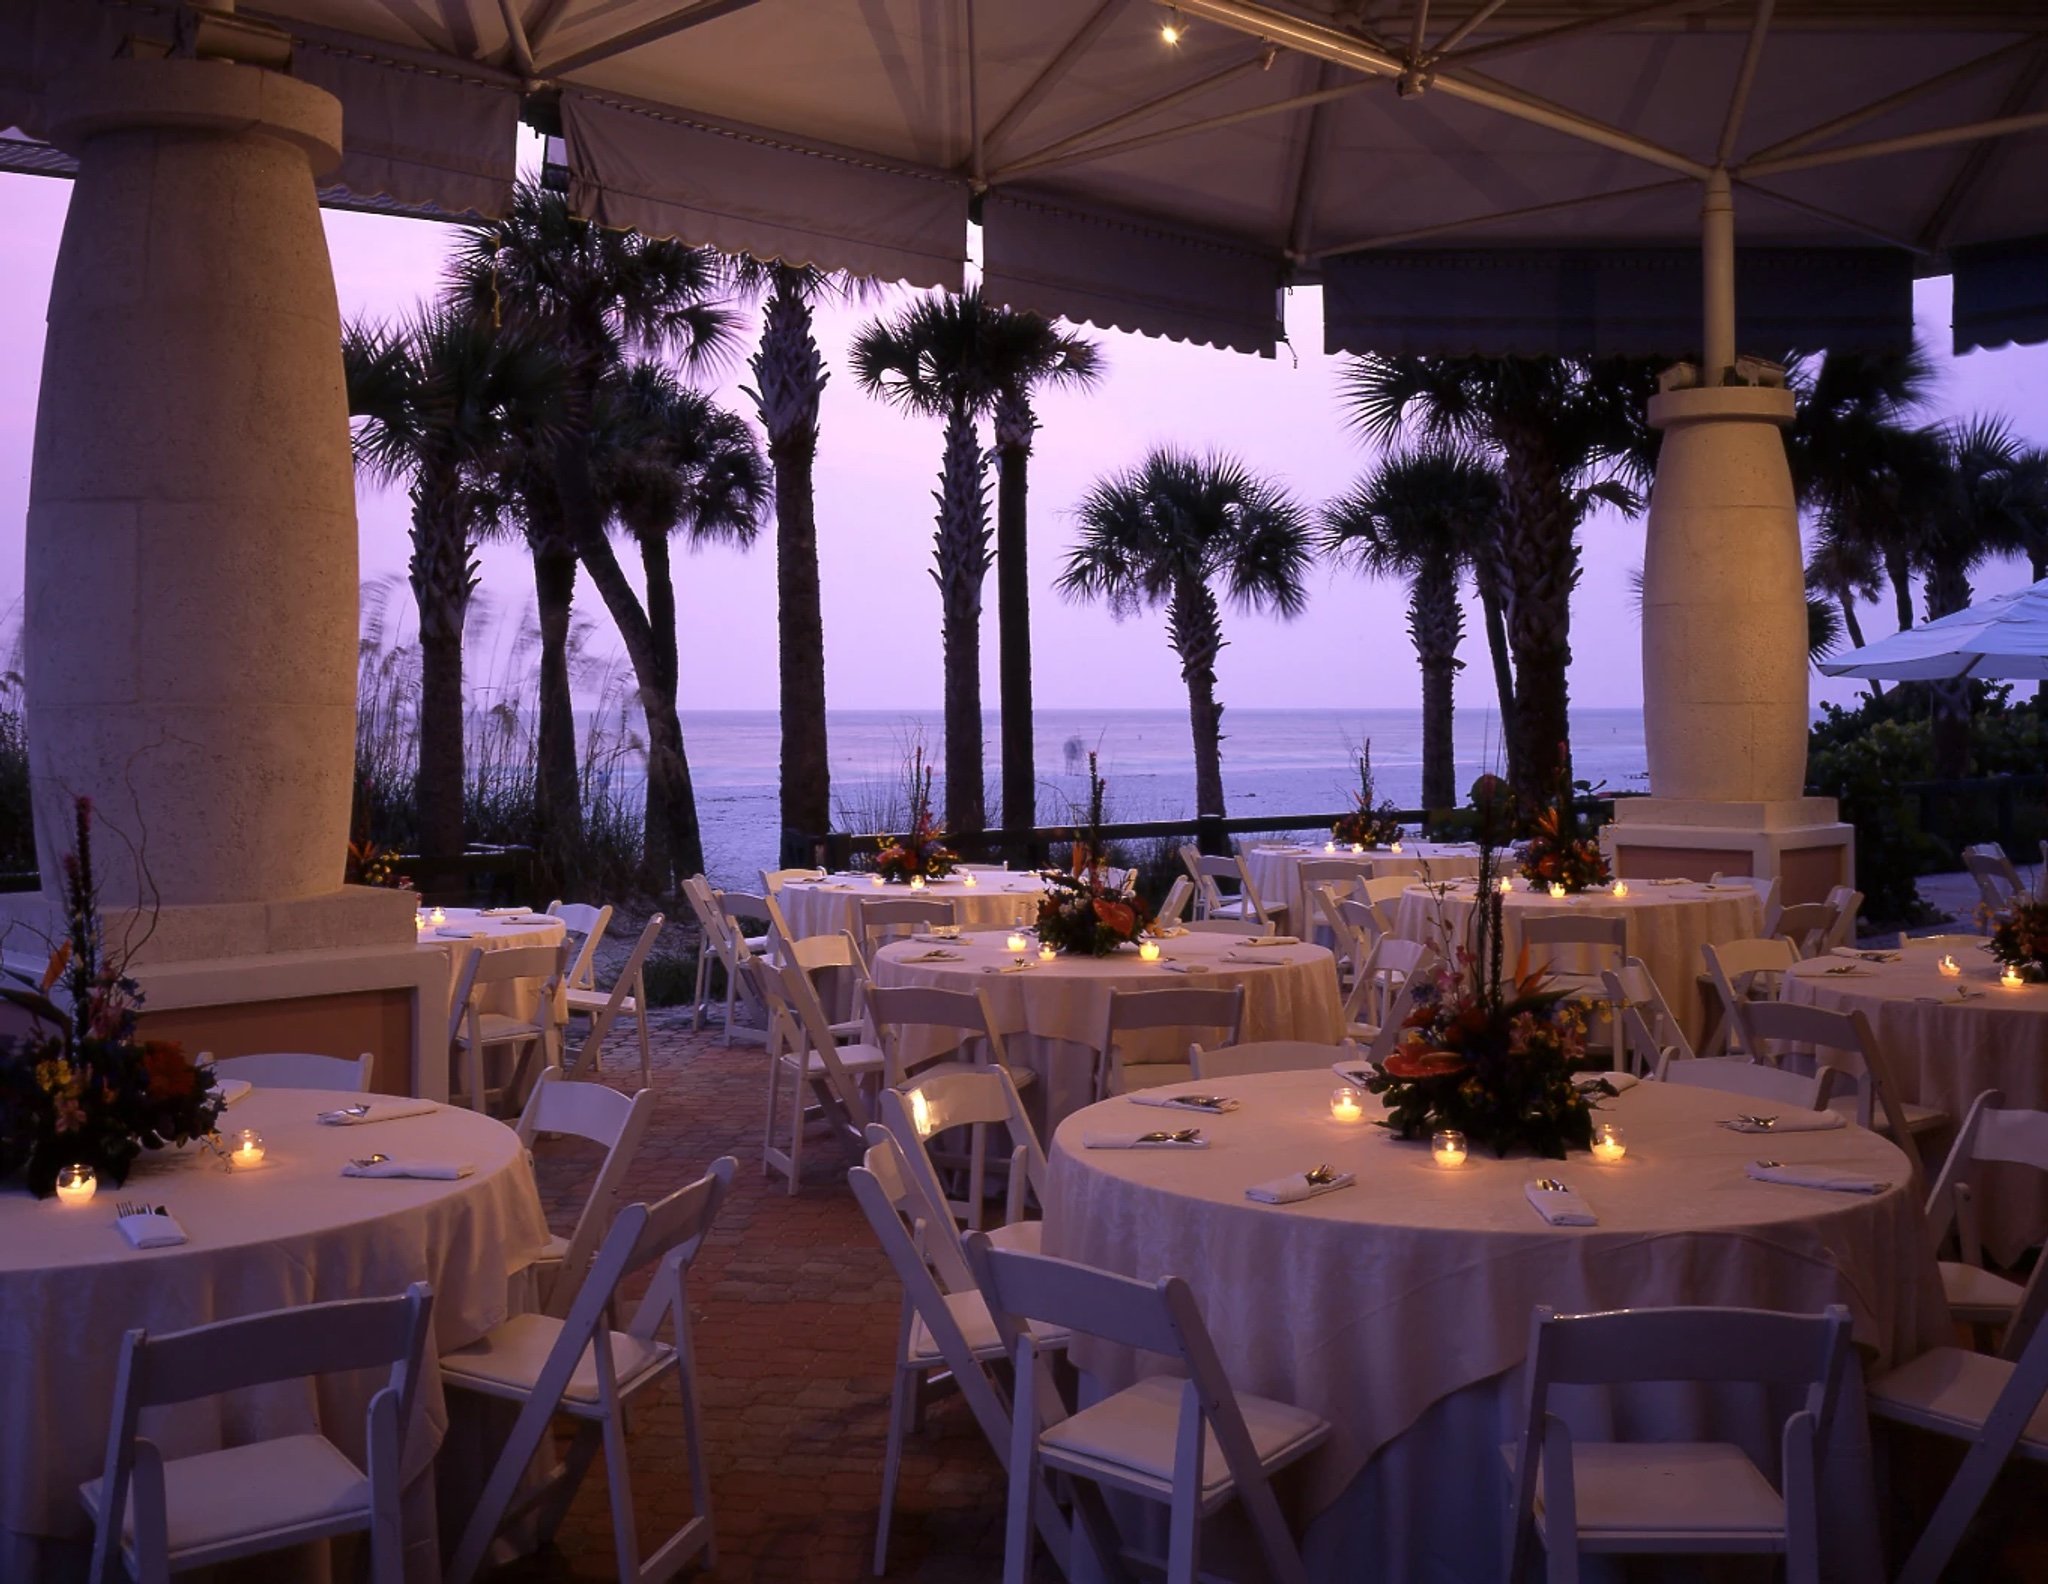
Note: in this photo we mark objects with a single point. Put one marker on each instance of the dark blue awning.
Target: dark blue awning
(2001, 294)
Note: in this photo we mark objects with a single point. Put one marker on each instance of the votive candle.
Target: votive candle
(1148, 951)
(1358, 847)
(967, 879)
(874, 880)
(917, 882)
(419, 921)
(1620, 889)
(438, 916)
(248, 1150)
(76, 1184)
(1394, 848)
(1329, 846)
(1345, 1106)
(1015, 943)
(1557, 889)
(1506, 885)
(1046, 954)
(1949, 968)
(1609, 1146)
(2012, 979)
(1448, 1147)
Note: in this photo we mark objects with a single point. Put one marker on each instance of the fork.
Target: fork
(377, 1159)
(354, 1111)
(1184, 1136)
(1764, 1122)
(1551, 1185)
(1322, 1174)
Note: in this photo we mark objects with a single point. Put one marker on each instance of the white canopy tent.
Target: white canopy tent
(2004, 638)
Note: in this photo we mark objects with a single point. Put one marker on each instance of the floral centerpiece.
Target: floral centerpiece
(1486, 1053)
(82, 1089)
(2019, 939)
(921, 850)
(1373, 822)
(1081, 912)
(1553, 856)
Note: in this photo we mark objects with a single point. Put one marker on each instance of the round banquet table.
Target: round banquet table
(1050, 1014)
(497, 929)
(1946, 1042)
(1276, 871)
(1399, 1308)
(1667, 926)
(996, 900)
(288, 1232)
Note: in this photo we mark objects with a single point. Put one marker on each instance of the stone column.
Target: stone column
(191, 580)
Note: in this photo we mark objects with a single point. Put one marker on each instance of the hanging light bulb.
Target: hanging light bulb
(1173, 30)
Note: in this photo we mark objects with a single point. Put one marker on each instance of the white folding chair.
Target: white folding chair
(1383, 893)
(946, 1335)
(1242, 905)
(1312, 875)
(576, 1364)
(159, 1516)
(825, 1078)
(883, 919)
(1847, 902)
(1367, 921)
(1389, 966)
(1994, 1404)
(605, 1007)
(1754, 1080)
(718, 915)
(773, 880)
(1998, 881)
(1843, 1041)
(1807, 925)
(1650, 1030)
(712, 945)
(1582, 934)
(1351, 943)
(616, 1122)
(835, 954)
(1990, 1132)
(924, 1109)
(1189, 1010)
(1739, 973)
(1178, 895)
(474, 1033)
(963, 1014)
(587, 924)
(1268, 1056)
(1193, 1444)
(293, 1070)
(1684, 1498)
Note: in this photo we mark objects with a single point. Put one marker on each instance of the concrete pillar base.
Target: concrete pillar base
(1800, 841)
(348, 916)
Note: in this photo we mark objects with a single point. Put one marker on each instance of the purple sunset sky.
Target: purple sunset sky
(876, 472)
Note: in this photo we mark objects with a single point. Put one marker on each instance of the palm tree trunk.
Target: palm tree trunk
(789, 381)
(671, 807)
(1013, 426)
(1437, 626)
(1850, 624)
(675, 845)
(961, 553)
(1194, 630)
(1948, 591)
(1542, 557)
(1900, 571)
(444, 576)
(561, 806)
(1491, 578)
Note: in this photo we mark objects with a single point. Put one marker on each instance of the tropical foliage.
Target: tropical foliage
(921, 851)
(1082, 913)
(1373, 821)
(2019, 940)
(1557, 853)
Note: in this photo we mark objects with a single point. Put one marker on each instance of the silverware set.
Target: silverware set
(1551, 1185)
(124, 1208)
(347, 1111)
(1764, 1122)
(1322, 1174)
(1199, 1102)
(1184, 1136)
(371, 1160)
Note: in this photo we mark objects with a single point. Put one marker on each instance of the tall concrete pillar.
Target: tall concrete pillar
(191, 581)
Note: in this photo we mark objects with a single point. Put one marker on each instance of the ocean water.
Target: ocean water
(1279, 762)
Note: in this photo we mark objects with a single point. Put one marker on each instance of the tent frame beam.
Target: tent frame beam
(1542, 38)
(1050, 153)
(664, 26)
(1052, 71)
(1936, 137)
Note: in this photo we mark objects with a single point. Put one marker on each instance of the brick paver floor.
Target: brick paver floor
(795, 1313)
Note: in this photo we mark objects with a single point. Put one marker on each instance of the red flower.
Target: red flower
(1116, 915)
(1424, 1064)
(171, 1075)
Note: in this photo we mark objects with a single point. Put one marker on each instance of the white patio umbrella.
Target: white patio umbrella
(2005, 636)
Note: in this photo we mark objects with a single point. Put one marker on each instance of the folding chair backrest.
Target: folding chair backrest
(627, 983)
(1847, 902)
(773, 880)
(1734, 967)
(1352, 941)
(1650, 1030)
(545, 963)
(1753, 1079)
(1998, 882)
(1385, 888)
(1334, 872)
(293, 1070)
(1183, 1009)
(670, 1231)
(1689, 1344)
(1388, 967)
(1990, 1132)
(1210, 868)
(805, 1027)
(1077, 1298)
(740, 908)
(815, 953)
(918, 1111)
(587, 925)
(893, 1009)
(1365, 918)
(885, 918)
(1396, 1019)
(1268, 1056)
(1575, 929)
(603, 1116)
(917, 1235)
(1805, 924)
(1178, 895)
(1842, 1041)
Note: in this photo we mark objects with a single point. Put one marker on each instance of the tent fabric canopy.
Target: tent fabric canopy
(2003, 638)
(1170, 188)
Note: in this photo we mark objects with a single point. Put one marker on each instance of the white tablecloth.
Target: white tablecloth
(291, 1231)
(996, 900)
(466, 927)
(1276, 871)
(1944, 1052)
(1399, 1309)
(1050, 1014)
(1667, 926)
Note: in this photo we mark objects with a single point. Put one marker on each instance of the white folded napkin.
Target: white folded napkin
(1788, 1122)
(233, 1089)
(1828, 1177)
(377, 1111)
(1355, 1072)
(436, 1171)
(1272, 940)
(1296, 1187)
(444, 933)
(1622, 1082)
(150, 1230)
(1559, 1206)
(1173, 965)
(1861, 955)
(1171, 932)
(1015, 967)
(1184, 1100)
(513, 912)
(535, 918)
(1137, 1138)
(937, 954)
(1670, 880)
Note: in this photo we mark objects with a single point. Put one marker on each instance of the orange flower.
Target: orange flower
(1116, 915)
(171, 1074)
(60, 959)
(1424, 1064)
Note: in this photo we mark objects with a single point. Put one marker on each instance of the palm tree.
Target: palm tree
(1174, 532)
(1423, 517)
(789, 386)
(1024, 353)
(1566, 432)
(673, 462)
(441, 400)
(597, 296)
(932, 359)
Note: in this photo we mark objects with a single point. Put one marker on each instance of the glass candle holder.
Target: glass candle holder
(874, 880)
(1620, 889)
(1557, 890)
(248, 1150)
(1148, 951)
(438, 916)
(76, 1184)
(2012, 979)
(1358, 847)
(1507, 885)
(419, 921)
(1046, 954)
(917, 882)
(1015, 942)
(1448, 1147)
(1346, 1105)
(1394, 848)
(1609, 1144)
(1949, 968)
(967, 879)
(1329, 846)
